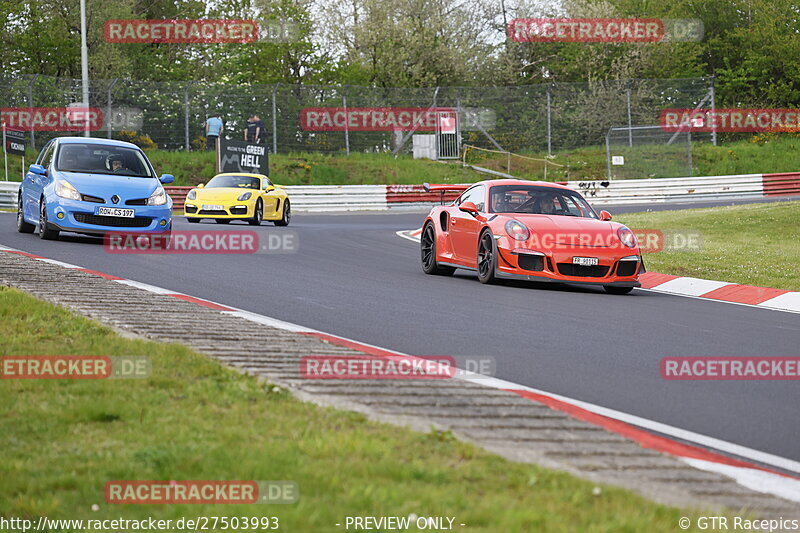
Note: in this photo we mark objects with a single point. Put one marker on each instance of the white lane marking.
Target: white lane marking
(789, 301)
(406, 235)
(691, 286)
(59, 263)
(145, 286)
(267, 321)
(757, 480)
(689, 436)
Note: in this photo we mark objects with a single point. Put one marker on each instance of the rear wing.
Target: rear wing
(442, 189)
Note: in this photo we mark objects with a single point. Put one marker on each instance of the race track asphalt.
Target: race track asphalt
(352, 276)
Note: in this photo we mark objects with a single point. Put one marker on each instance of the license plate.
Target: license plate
(584, 261)
(114, 212)
(214, 207)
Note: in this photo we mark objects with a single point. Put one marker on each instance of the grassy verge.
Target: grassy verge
(194, 419)
(191, 168)
(761, 153)
(757, 244)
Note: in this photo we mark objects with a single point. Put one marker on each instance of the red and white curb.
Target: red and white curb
(756, 470)
(721, 291)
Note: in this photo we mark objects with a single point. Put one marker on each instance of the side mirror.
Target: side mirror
(605, 215)
(201, 185)
(166, 178)
(469, 207)
(38, 169)
(269, 188)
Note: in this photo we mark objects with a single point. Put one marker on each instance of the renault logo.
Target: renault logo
(115, 199)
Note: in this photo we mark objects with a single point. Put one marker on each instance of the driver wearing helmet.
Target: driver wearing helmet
(116, 163)
(547, 204)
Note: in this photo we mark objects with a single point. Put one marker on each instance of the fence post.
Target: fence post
(108, 107)
(549, 135)
(274, 121)
(628, 96)
(713, 113)
(436, 131)
(30, 104)
(689, 143)
(346, 126)
(608, 154)
(186, 115)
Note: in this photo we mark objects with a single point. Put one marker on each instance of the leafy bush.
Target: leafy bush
(139, 139)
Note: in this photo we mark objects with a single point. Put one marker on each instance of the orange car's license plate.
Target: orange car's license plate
(585, 261)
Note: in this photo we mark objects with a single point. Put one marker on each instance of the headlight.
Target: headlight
(245, 196)
(192, 195)
(159, 197)
(517, 230)
(64, 189)
(626, 237)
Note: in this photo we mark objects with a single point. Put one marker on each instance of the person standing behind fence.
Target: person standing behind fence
(213, 131)
(254, 132)
(261, 132)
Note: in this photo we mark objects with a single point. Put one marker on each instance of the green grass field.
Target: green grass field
(193, 419)
(756, 244)
(761, 153)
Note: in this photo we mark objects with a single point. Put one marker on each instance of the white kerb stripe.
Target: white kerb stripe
(690, 286)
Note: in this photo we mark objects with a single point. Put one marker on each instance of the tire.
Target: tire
(22, 226)
(193, 220)
(487, 258)
(258, 214)
(45, 232)
(610, 289)
(222, 220)
(287, 214)
(427, 247)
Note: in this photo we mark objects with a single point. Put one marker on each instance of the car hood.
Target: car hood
(105, 185)
(223, 193)
(573, 231)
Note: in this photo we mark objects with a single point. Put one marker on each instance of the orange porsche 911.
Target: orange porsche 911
(528, 230)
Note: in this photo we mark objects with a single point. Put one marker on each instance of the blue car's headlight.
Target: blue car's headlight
(245, 196)
(64, 189)
(159, 197)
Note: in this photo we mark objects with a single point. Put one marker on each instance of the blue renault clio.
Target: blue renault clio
(93, 186)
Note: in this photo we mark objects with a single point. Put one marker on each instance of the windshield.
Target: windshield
(241, 182)
(533, 200)
(103, 159)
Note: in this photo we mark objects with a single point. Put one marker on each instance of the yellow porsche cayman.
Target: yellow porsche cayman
(239, 196)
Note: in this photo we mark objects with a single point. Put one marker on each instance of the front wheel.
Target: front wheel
(287, 215)
(45, 232)
(428, 250)
(610, 289)
(487, 258)
(22, 226)
(258, 214)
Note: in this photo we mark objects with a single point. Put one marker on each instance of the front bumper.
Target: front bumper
(236, 211)
(617, 267)
(78, 216)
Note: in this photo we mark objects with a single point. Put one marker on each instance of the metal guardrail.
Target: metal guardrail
(8, 194)
(343, 198)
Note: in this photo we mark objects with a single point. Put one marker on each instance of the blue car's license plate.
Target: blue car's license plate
(114, 212)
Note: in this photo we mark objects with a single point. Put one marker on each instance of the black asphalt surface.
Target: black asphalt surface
(352, 276)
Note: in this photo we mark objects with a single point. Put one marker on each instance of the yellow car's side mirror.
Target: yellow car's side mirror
(200, 186)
